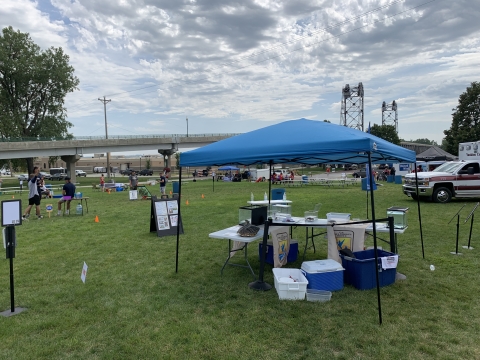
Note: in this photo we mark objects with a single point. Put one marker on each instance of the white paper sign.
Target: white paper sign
(133, 194)
(84, 272)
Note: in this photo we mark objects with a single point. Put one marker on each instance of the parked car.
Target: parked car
(351, 167)
(360, 173)
(80, 173)
(146, 172)
(127, 172)
(45, 175)
(23, 177)
(59, 176)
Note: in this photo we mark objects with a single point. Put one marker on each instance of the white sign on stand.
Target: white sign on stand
(133, 194)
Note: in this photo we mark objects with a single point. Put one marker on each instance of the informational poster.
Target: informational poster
(11, 212)
(133, 194)
(165, 216)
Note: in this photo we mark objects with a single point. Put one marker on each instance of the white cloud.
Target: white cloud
(233, 67)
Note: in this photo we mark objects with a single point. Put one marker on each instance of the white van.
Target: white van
(99, 169)
(57, 170)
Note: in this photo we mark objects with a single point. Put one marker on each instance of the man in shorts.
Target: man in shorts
(133, 181)
(68, 192)
(33, 197)
(163, 182)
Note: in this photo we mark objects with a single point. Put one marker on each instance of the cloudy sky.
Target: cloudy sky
(234, 66)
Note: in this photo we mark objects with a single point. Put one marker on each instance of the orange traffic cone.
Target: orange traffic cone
(203, 196)
(96, 219)
(170, 192)
(186, 203)
(13, 196)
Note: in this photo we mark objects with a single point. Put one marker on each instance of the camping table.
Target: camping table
(230, 234)
(383, 228)
(81, 202)
(266, 202)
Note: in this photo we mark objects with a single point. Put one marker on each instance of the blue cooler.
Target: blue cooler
(323, 274)
(292, 254)
(398, 179)
(360, 272)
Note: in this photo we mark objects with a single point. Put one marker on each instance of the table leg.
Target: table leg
(245, 250)
(86, 204)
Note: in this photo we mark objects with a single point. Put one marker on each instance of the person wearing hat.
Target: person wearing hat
(68, 192)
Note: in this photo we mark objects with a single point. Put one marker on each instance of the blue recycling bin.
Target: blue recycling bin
(305, 179)
(390, 178)
(176, 187)
(277, 194)
(398, 179)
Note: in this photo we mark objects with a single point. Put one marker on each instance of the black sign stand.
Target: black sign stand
(10, 218)
(165, 216)
(458, 229)
(471, 227)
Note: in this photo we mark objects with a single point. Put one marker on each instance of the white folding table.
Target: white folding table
(230, 234)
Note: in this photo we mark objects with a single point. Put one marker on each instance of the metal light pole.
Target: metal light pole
(140, 163)
(104, 101)
(187, 126)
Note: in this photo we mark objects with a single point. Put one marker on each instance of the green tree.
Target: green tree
(33, 86)
(148, 163)
(465, 120)
(386, 132)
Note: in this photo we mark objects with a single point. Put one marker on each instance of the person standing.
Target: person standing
(163, 182)
(392, 171)
(68, 192)
(33, 198)
(102, 183)
(133, 181)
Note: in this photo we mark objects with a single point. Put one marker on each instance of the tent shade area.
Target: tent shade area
(300, 141)
(435, 154)
(228, 168)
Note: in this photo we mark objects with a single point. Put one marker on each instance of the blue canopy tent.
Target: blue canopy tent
(228, 168)
(304, 142)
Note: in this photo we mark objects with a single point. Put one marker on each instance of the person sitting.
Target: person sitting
(45, 191)
(68, 193)
(274, 178)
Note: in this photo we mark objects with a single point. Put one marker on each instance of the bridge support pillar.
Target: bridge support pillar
(70, 160)
(167, 156)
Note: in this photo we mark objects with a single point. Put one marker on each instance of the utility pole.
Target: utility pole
(105, 102)
(187, 126)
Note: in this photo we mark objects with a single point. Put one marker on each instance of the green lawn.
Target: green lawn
(134, 305)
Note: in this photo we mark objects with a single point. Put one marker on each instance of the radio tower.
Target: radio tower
(390, 114)
(351, 113)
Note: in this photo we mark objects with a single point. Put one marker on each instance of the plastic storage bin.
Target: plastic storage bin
(338, 217)
(277, 194)
(78, 195)
(287, 288)
(292, 254)
(318, 295)
(360, 272)
(323, 274)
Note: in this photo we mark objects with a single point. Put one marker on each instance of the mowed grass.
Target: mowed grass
(135, 306)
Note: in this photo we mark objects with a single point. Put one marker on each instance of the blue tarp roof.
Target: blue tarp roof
(299, 141)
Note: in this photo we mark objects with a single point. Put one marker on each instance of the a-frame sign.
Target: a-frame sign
(165, 217)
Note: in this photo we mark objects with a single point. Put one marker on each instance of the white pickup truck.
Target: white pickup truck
(453, 179)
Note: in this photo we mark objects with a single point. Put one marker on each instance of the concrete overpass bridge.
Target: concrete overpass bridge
(71, 150)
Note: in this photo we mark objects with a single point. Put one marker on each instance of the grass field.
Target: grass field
(134, 306)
